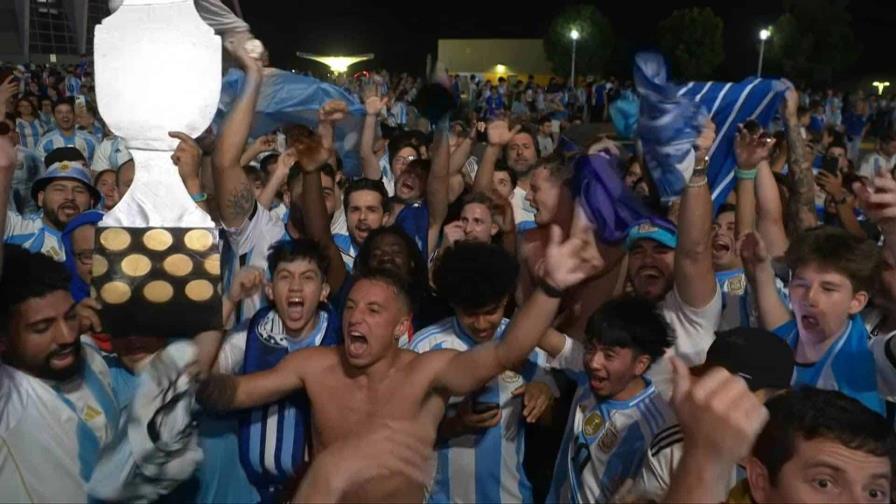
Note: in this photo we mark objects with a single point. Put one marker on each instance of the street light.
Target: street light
(880, 86)
(574, 35)
(764, 34)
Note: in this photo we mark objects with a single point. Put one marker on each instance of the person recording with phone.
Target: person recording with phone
(835, 182)
(477, 279)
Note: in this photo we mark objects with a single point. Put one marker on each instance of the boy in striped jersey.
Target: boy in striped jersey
(616, 410)
(481, 439)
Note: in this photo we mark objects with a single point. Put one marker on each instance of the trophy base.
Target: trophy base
(157, 281)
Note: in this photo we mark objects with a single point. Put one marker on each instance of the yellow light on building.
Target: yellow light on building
(880, 86)
(338, 64)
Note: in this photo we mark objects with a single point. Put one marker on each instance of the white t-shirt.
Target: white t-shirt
(694, 331)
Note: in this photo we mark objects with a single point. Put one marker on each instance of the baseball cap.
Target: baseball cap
(760, 357)
(654, 229)
(67, 170)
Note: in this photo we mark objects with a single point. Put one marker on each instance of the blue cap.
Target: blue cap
(64, 170)
(651, 229)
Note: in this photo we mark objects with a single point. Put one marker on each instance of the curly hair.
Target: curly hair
(474, 276)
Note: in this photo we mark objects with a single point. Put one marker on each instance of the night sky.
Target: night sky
(401, 34)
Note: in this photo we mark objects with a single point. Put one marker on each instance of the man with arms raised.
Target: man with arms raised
(371, 378)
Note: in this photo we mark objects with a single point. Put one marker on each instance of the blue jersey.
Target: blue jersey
(30, 132)
(487, 466)
(848, 365)
(84, 142)
(347, 249)
(606, 441)
(414, 220)
(273, 438)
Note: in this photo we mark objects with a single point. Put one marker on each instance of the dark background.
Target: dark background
(402, 33)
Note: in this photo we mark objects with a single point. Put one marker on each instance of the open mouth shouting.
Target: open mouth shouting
(356, 344)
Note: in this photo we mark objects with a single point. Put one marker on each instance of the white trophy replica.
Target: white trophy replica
(158, 69)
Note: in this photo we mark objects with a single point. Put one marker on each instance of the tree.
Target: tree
(691, 40)
(813, 41)
(593, 48)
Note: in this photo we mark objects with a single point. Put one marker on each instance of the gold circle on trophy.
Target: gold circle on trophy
(136, 265)
(213, 264)
(115, 240)
(158, 291)
(178, 265)
(115, 292)
(200, 290)
(199, 240)
(100, 265)
(157, 239)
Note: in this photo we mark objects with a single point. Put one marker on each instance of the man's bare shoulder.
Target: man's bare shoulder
(314, 356)
(427, 361)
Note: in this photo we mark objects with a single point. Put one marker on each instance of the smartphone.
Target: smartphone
(481, 136)
(80, 102)
(484, 407)
(831, 165)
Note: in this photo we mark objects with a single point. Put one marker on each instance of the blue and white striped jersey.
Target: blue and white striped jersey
(606, 441)
(30, 132)
(34, 235)
(84, 142)
(485, 467)
(28, 168)
(739, 307)
(110, 154)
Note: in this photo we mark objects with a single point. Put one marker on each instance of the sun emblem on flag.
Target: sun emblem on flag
(592, 424)
(64, 166)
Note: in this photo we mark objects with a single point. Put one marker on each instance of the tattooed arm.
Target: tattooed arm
(801, 207)
(236, 200)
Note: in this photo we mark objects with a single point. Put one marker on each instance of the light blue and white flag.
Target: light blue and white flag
(286, 98)
(672, 116)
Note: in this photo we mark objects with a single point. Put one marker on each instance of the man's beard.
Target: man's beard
(47, 371)
(52, 215)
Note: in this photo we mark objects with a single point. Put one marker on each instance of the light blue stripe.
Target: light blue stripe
(488, 465)
(255, 439)
(289, 434)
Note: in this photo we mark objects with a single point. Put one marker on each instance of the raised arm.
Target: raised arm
(7, 168)
(802, 203)
(221, 393)
(750, 151)
(312, 154)
(695, 279)
(437, 184)
(261, 144)
(832, 185)
(770, 212)
(374, 105)
(499, 135)
(236, 199)
(565, 265)
(879, 203)
(188, 159)
(281, 172)
(758, 267)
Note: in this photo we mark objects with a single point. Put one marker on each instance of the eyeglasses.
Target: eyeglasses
(404, 159)
(85, 256)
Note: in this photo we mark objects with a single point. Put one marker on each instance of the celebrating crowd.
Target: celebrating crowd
(451, 320)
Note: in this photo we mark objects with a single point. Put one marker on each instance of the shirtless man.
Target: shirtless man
(371, 379)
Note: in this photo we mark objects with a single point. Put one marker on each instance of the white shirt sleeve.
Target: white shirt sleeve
(570, 359)
(233, 350)
(653, 481)
(885, 365)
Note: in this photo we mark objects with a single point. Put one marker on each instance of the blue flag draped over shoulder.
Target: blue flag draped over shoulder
(286, 98)
(672, 116)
